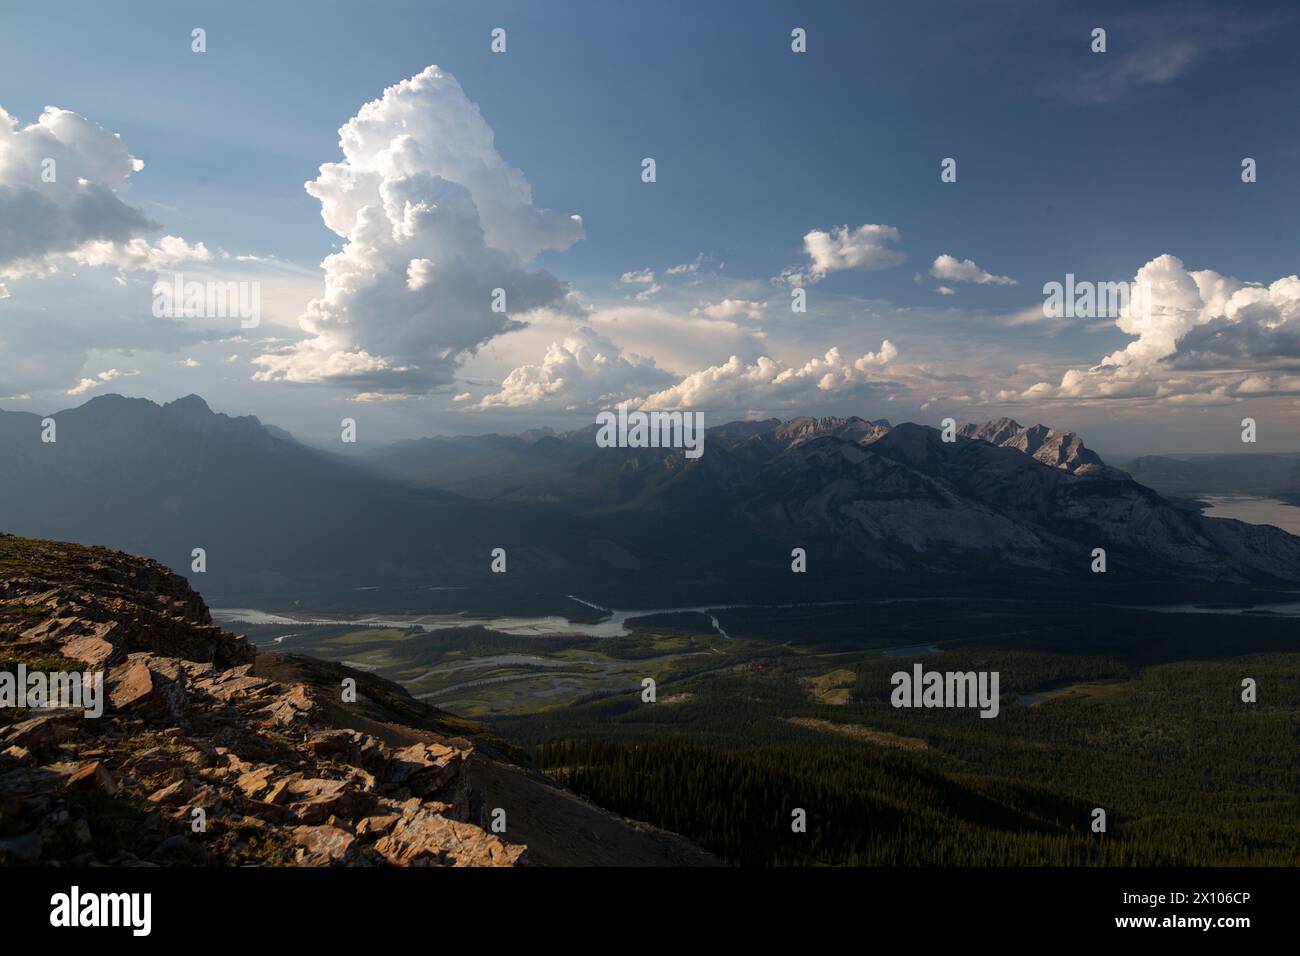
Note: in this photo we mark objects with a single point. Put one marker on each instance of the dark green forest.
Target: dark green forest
(1134, 712)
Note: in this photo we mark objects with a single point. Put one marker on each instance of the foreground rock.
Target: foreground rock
(209, 753)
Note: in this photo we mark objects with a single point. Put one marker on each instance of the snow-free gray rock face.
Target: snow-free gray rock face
(1096, 506)
(850, 429)
(902, 499)
(887, 509)
(1064, 450)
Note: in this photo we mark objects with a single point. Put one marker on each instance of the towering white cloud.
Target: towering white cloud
(435, 220)
(1200, 337)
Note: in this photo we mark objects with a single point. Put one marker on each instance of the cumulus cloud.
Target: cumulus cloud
(732, 309)
(434, 221)
(374, 398)
(867, 248)
(769, 383)
(951, 269)
(643, 277)
(1200, 338)
(1258, 325)
(679, 343)
(686, 268)
(582, 370)
(59, 183)
(86, 384)
(139, 255)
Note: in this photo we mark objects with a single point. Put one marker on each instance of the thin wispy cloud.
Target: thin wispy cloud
(1148, 48)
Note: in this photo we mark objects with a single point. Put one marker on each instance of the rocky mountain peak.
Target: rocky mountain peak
(1060, 449)
(190, 403)
(851, 428)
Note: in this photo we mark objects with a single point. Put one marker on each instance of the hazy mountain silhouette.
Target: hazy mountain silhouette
(270, 513)
(1246, 473)
(873, 505)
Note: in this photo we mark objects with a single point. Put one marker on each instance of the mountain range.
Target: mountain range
(877, 507)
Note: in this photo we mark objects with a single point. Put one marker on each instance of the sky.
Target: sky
(376, 175)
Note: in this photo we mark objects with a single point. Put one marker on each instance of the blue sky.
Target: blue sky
(1069, 161)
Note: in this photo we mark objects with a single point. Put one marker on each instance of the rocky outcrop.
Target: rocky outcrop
(852, 428)
(209, 753)
(1063, 450)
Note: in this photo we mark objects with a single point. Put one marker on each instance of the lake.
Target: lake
(1253, 511)
(615, 625)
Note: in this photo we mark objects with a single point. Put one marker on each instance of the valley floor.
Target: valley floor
(762, 711)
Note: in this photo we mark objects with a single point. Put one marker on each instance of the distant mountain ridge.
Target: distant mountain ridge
(1271, 475)
(879, 505)
(906, 500)
(1064, 450)
(448, 461)
(164, 480)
